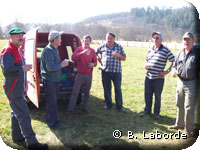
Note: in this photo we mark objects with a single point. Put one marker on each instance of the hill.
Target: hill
(140, 22)
(135, 25)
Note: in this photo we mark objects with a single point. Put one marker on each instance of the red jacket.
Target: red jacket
(11, 60)
(83, 60)
(14, 51)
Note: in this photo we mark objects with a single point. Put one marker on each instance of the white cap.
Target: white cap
(159, 33)
(53, 35)
(188, 35)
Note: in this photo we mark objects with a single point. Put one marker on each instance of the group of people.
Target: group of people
(186, 65)
(86, 59)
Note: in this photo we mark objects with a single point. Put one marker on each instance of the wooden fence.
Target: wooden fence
(175, 46)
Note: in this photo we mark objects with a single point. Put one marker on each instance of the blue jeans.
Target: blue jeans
(51, 91)
(107, 77)
(153, 86)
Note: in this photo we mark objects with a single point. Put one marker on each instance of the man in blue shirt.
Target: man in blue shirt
(111, 56)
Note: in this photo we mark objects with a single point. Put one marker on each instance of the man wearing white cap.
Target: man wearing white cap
(186, 67)
(51, 72)
(156, 60)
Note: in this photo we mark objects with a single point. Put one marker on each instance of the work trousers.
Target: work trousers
(51, 91)
(186, 96)
(79, 81)
(21, 122)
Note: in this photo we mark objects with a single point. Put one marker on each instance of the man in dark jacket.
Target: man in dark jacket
(187, 68)
(51, 73)
(14, 68)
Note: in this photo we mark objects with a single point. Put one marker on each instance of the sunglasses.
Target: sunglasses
(156, 38)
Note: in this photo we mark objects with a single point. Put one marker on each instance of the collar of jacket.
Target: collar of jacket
(13, 50)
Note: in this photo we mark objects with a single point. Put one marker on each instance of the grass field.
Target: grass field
(95, 130)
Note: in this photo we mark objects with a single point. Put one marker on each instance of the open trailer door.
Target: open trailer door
(30, 54)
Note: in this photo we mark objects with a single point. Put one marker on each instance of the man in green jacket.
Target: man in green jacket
(51, 72)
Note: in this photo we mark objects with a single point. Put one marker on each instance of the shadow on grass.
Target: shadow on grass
(94, 130)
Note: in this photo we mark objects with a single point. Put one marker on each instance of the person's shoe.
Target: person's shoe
(195, 132)
(84, 110)
(157, 117)
(69, 111)
(189, 134)
(176, 127)
(57, 128)
(106, 107)
(144, 114)
(38, 146)
(122, 110)
(18, 140)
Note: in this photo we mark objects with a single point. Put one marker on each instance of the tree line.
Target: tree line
(135, 25)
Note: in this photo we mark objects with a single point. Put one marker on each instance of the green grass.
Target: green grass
(95, 130)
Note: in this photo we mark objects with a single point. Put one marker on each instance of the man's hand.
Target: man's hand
(87, 51)
(174, 72)
(115, 54)
(163, 73)
(99, 60)
(119, 56)
(64, 63)
(91, 65)
(146, 66)
(27, 67)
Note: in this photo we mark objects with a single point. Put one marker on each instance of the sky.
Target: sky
(66, 11)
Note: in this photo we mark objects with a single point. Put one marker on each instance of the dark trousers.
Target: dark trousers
(51, 91)
(107, 77)
(21, 122)
(153, 86)
(79, 81)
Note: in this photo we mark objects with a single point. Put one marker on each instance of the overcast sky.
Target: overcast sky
(62, 11)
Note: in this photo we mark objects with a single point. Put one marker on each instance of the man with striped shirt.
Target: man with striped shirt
(156, 60)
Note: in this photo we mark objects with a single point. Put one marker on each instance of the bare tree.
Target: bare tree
(1, 32)
(97, 31)
(47, 26)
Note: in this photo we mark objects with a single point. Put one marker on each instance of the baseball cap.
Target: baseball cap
(188, 35)
(16, 31)
(159, 33)
(53, 35)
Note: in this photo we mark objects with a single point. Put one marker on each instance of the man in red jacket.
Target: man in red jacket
(14, 70)
(85, 58)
